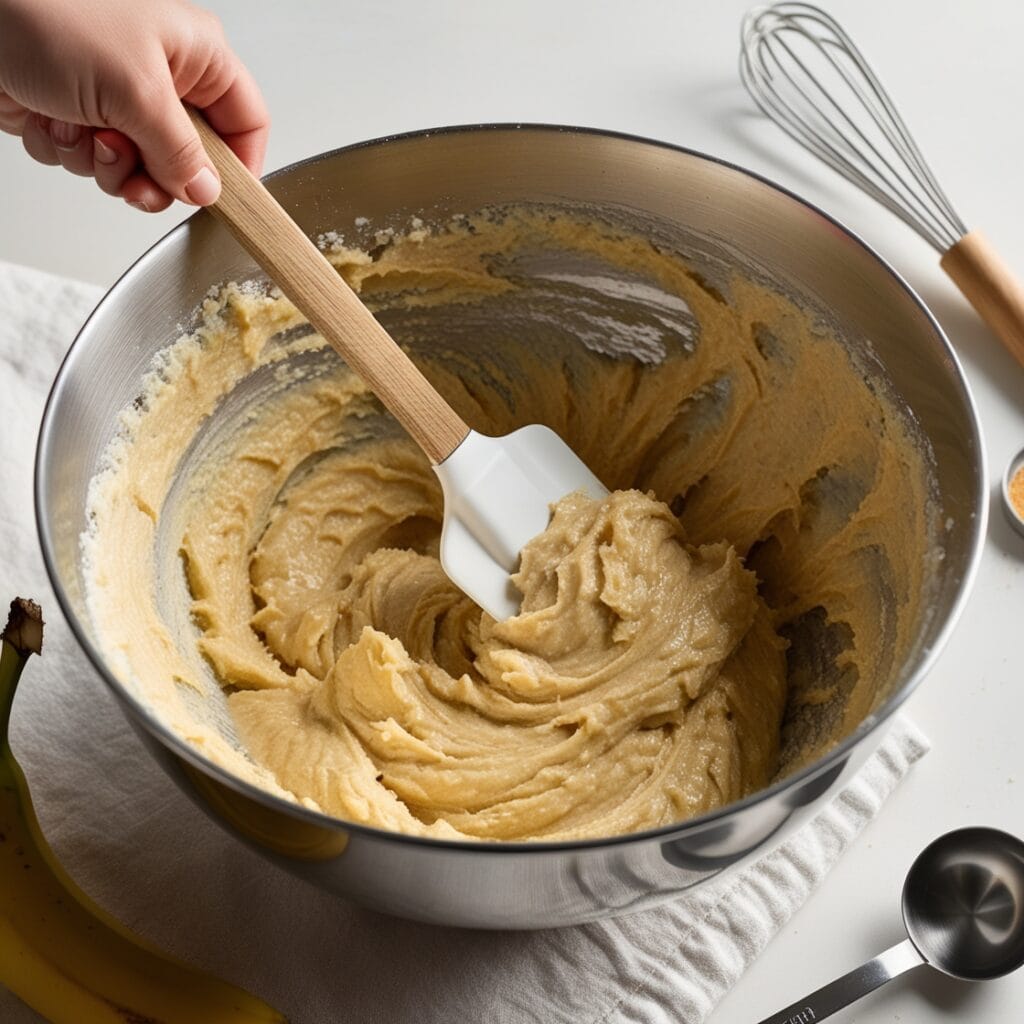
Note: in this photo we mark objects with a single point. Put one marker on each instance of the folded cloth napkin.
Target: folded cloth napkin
(144, 851)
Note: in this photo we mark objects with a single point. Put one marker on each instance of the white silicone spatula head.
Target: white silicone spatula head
(498, 493)
(497, 490)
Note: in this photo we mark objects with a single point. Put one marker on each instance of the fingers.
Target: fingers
(35, 137)
(238, 115)
(118, 169)
(140, 191)
(213, 79)
(73, 145)
(12, 115)
(147, 151)
(171, 151)
(114, 158)
(107, 155)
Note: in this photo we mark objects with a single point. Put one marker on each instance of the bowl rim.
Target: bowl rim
(838, 754)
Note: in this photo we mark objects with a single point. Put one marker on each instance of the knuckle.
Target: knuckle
(184, 156)
(213, 24)
(139, 97)
(41, 150)
(215, 75)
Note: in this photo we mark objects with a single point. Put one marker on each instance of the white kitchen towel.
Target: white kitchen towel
(144, 851)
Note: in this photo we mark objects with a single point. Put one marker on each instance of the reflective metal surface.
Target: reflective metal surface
(963, 905)
(435, 175)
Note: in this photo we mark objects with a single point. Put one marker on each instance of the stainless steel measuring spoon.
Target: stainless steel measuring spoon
(963, 907)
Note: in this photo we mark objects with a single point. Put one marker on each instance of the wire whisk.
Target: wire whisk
(807, 75)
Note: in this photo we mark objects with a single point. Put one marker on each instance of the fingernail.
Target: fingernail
(138, 204)
(204, 188)
(64, 135)
(102, 152)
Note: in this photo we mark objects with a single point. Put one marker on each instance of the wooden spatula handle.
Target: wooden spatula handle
(295, 264)
(990, 287)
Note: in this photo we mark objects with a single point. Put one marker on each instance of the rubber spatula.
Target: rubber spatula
(497, 490)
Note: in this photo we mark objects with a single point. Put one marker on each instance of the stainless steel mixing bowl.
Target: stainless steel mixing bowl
(744, 220)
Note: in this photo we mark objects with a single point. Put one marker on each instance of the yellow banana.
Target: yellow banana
(60, 952)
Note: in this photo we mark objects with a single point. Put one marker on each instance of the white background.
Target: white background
(339, 72)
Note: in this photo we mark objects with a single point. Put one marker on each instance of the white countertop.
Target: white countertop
(335, 73)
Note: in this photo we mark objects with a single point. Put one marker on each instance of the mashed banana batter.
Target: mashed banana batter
(737, 604)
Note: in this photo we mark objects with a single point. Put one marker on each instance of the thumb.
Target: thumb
(172, 153)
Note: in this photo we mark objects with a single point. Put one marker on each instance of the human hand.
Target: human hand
(97, 87)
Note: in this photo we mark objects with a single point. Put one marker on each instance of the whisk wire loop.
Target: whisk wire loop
(806, 74)
(900, 190)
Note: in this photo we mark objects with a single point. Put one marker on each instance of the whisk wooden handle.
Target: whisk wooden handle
(295, 264)
(990, 287)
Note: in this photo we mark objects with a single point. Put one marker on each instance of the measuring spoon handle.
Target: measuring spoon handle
(850, 987)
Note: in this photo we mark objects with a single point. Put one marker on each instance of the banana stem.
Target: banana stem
(22, 637)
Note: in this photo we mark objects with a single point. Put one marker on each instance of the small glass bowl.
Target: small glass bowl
(1015, 517)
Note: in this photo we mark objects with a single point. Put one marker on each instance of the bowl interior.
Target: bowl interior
(721, 218)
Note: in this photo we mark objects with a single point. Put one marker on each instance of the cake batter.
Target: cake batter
(769, 507)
